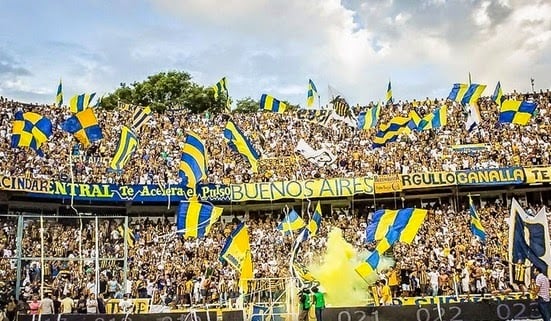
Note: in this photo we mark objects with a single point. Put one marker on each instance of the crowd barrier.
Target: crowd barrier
(270, 191)
(486, 310)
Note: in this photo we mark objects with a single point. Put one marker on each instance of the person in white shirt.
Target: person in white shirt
(126, 305)
(47, 305)
(92, 304)
(542, 291)
(433, 279)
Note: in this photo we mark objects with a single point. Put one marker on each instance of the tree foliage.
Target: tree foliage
(166, 91)
(246, 105)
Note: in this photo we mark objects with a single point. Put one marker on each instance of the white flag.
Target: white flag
(473, 117)
(320, 157)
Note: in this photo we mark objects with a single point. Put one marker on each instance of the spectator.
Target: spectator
(92, 304)
(47, 305)
(67, 305)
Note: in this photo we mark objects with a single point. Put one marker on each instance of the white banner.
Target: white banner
(320, 157)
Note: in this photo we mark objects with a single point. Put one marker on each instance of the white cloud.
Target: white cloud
(480, 15)
(276, 45)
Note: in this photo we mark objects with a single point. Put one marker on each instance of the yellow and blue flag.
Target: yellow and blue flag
(128, 142)
(476, 224)
(80, 102)
(195, 218)
(237, 252)
(438, 118)
(472, 94)
(517, 112)
(497, 97)
(302, 273)
(269, 103)
(529, 237)
(237, 141)
(193, 163)
(311, 93)
(30, 130)
(290, 223)
(84, 126)
(140, 116)
(315, 222)
(59, 94)
(458, 92)
(222, 86)
(389, 94)
(368, 119)
(403, 222)
(415, 119)
(388, 227)
(313, 225)
(127, 234)
(389, 132)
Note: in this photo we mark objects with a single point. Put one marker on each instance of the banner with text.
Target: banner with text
(473, 177)
(535, 175)
(387, 184)
(262, 191)
(271, 191)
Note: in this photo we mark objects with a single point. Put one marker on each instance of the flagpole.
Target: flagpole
(72, 203)
(41, 257)
(97, 256)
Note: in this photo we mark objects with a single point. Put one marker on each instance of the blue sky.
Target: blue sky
(275, 46)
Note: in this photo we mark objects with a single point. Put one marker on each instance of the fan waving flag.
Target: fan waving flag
(438, 118)
(195, 218)
(341, 107)
(368, 119)
(239, 143)
(472, 94)
(128, 142)
(497, 97)
(517, 112)
(84, 126)
(311, 93)
(458, 92)
(389, 94)
(193, 163)
(80, 102)
(315, 221)
(140, 116)
(290, 223)
(529, 238)
(30, 130)
(476, 224)
(222, 87)
(269, 103)
(403, 221)
(398, 225)
(59, 95)
(237, 252)
(390, 131)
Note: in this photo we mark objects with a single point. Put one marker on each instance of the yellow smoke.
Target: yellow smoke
(338, 279)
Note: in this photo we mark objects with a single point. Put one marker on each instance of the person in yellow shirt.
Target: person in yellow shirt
(386, 296)
(393, 281)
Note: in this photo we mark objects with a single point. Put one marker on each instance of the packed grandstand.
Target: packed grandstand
(444, 259)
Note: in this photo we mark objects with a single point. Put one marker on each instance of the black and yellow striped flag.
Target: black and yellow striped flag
(341, 107)
(222, 86)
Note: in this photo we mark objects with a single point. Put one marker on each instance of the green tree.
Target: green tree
(246, 105)
(166, 91)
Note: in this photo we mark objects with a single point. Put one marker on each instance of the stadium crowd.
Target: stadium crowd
(276, 136)
(444, 259)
